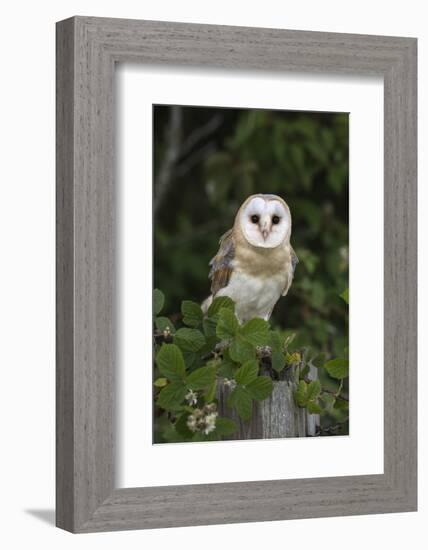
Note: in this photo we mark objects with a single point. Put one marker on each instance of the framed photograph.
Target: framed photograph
(236, 274)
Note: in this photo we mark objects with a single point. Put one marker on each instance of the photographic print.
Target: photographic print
(250, 270)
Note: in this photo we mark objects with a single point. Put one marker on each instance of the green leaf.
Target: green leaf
(303, 373)
(209, 326)
(313, 390)
(294, 358)
(170, 434)
(345, 295)
(209, 346)
(337, 368)
(256, 331)
(247, 373)
(158, 301)
(341, 404)
(276, 341)
(219, 303)
(192, 360)
(211, 391)
(171, 396)
(313, 408)
(170, 362)
(300, 394)
(227, 325)
(225, 426)
(201, 378)
(181, 426)
(278, 361)
(227, 367)
(328, 400)
(240, 350)
(241, 400)
(192, 313)
(160, 382)
(162, 323)
(189, 339)
(318, 360)
(260, 388)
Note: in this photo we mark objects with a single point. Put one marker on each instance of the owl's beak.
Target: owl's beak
(265, 228)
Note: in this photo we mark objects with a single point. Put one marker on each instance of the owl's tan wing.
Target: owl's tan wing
(291, 268)
(221, 264)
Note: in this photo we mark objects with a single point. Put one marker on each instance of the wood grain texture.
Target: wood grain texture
(278, 416)
(87, 49)
(64, 278)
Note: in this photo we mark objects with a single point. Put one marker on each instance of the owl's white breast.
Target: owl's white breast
(253, 296)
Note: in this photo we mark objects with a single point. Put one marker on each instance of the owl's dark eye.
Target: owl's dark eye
(255, 218)
(276, 220)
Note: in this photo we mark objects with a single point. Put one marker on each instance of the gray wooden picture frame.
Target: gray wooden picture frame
(87, 50)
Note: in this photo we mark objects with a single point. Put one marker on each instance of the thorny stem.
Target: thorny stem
(336, 394)
(339, 389)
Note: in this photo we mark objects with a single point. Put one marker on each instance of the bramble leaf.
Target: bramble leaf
(170, 362)
(211, 391)
(192, 360)
(328, 400)
(240, 350)
(163, 323)
(278, 360)
(201, 378)
(192, 313)
(171, 396)
(160, 382)
(225, 426)
(313, 390)
(181, 426)
(189, 339)
(260, 388)
(313, 408)
(219, 303)
(300, 394)
(341, 404)
(276, 342)
(241, 400)
(337, 368)
(247, 373)
(227, 325)
(209, 327)
(227, 367)
(256, 331)
(158, 301)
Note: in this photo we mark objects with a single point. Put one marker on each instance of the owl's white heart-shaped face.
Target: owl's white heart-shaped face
(265, 221)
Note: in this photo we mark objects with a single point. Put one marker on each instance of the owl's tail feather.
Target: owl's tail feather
(206, 304)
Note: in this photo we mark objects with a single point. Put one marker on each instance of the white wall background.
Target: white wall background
(27, 271)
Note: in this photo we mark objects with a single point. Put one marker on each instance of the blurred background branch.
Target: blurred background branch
(180, 156)
(173, 133)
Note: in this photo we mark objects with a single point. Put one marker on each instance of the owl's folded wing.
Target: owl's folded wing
(221, 264)
(290, 268)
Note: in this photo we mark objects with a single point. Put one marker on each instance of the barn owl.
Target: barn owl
(255, 262)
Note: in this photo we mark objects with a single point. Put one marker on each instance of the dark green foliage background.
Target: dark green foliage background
(301, 156)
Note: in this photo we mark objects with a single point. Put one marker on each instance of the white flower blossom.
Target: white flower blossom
(191, 397)
(203, 420)
(210, 421)
(231, 384)
(191, 423)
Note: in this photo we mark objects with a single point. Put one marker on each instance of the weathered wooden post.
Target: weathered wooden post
(276, 417)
